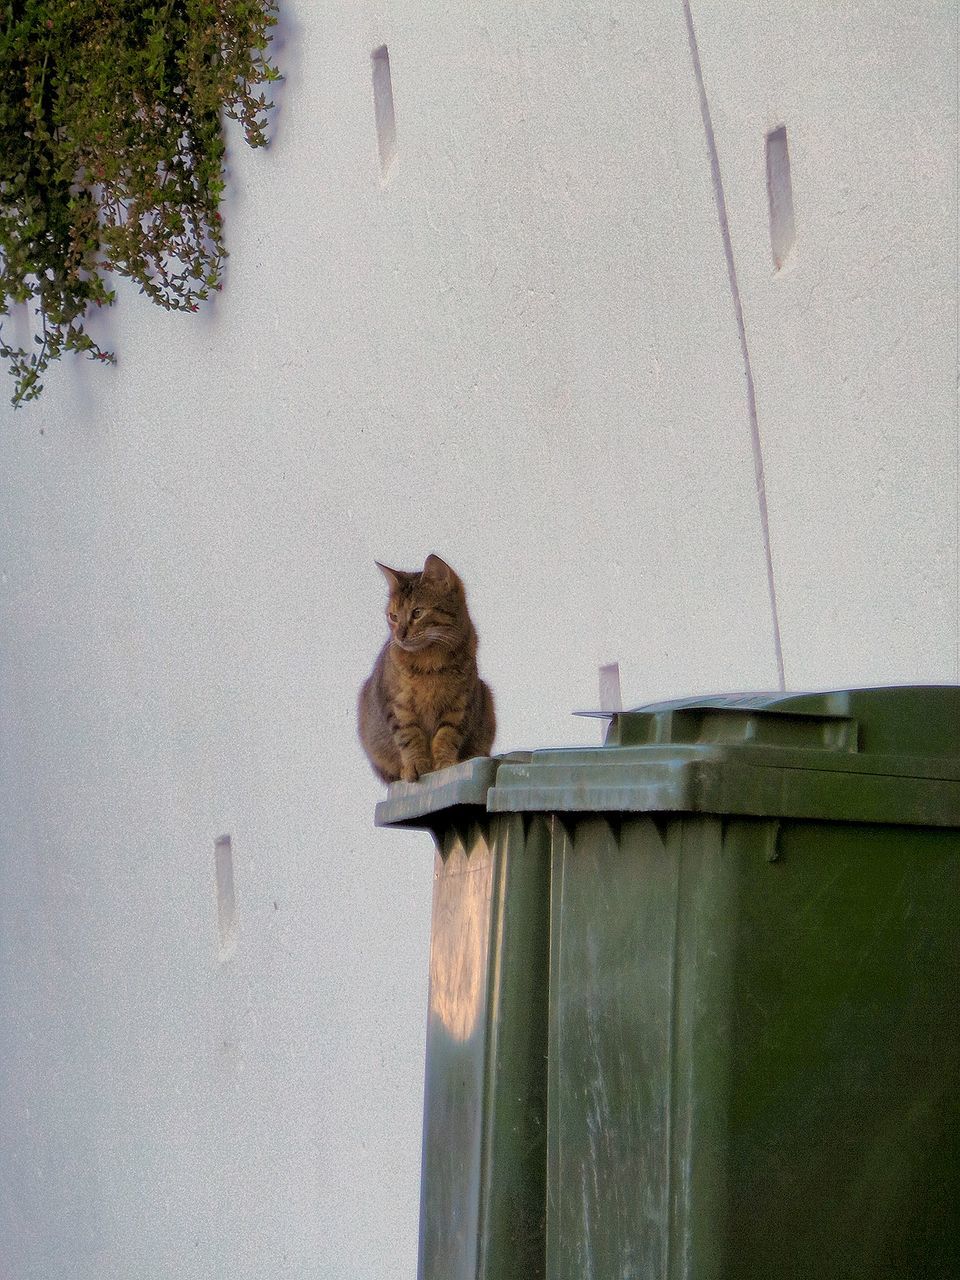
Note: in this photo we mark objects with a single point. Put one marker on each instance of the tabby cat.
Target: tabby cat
(424, 706)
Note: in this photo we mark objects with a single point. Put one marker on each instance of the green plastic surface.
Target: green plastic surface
(870, 755)
(483, 1190)
(754, 1050)
(442, 797)
(694, 1008)
(897, 720)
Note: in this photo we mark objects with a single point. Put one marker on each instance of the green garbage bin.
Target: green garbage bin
(748, 985)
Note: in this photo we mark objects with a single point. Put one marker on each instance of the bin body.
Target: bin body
(754, 1064)
(748, 984)
(483, 1183)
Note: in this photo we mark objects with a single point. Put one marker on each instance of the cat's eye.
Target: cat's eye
(391, 615)
(417, 613)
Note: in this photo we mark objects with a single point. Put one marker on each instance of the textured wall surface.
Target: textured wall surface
(550, 344)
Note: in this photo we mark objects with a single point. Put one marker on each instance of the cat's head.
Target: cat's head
(427, 607)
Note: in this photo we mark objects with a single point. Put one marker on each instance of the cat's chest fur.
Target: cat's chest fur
(426, 695)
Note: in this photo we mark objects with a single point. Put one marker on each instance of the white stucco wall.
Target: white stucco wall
(521, 352)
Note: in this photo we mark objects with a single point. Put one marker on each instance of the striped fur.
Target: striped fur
(424, 706)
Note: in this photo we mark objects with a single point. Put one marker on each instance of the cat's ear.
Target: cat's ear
(439, 571)
(392, 576)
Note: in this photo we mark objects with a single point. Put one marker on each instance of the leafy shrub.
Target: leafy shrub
(111, 155)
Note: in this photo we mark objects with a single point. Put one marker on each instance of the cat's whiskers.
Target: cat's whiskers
(446, 638)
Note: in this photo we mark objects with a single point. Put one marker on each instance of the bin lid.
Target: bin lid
(889, 755)
(443, 796)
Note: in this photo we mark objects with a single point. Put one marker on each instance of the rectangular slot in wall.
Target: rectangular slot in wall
(226, 896)
(780, 193)
(610, 696)
(383, 110)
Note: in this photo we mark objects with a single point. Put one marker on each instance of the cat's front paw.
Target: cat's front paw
(413, 770)
(444, 759)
